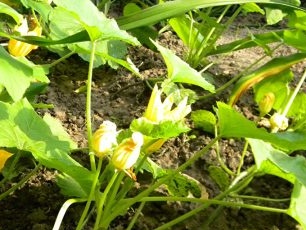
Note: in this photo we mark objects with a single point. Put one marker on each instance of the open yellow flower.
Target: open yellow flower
(158, 111)
(4, 155)
(127, 153)
(21, 49)
(104, 139)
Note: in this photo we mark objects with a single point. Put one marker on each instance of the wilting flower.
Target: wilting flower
(104, 139)
(158, 111)
(4, 155)
(127, 153)
(21, 49)
(278, 122)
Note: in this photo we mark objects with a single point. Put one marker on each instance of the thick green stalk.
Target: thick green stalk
(122, 207)
(88, 106)
(101, 202)
(91, 196)
(237, 186)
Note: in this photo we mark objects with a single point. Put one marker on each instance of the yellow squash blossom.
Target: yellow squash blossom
(104, 139)
(21, 49)
(4, 155)
(158, 111)
(127, 153)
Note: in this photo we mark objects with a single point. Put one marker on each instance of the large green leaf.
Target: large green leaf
(16, 76)
(180, 71)
(297, 204)
(5, 9)
(98, 26)
(64, 22)
(45, 138)
(272, 161)
(170, 9)
(233, 124)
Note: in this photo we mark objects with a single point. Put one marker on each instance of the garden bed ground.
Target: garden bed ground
(120, 97)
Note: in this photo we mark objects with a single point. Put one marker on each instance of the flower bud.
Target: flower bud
(104, 139)
(278, 122)
(4, 155)
(266, 103)
(127, 153)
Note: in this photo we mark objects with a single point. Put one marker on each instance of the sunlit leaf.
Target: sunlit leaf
(296, 39)
(272, 68)
(23, 129)
(274, 15)
(180, 71)
(87, 15)
(278, 85)
(5, 9)
(233, 124)
(297, 204)
(272, 161)
(165, 129)
(16, 76)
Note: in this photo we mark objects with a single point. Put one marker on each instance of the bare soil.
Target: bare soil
(121, 97)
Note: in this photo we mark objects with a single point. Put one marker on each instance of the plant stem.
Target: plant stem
(260, 198)
(211, 202)
(234, 187)
(293, 95)
(59, 60)
(138, 212)
(20, 183)
(246, 144)
(88, 106)
(91, 195)
(122, 207)
(63, 210)
(102, 200)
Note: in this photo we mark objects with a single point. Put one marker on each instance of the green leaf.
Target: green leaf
(297, 204)
(16, 76)
(297, 19)
(278, 85)
(5, 9)
(219, 176)
(252, 8)
(272, 161)
(170, 9)
(272, 68)
(296, 39)
(204, 120)
(153, 168)
(41, 6)
(87, 16)
(183, 185)
(165, 129)
(180, 71)
(274, 15)
(22, 128)
(233, 124)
